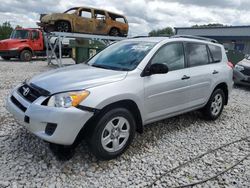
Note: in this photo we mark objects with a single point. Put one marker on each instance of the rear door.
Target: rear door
(200, 71)
(100, 22)
(167, 93)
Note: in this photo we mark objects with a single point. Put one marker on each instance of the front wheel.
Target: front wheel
(113, 133)
(215, 105)
(63, 26)
(26, 55)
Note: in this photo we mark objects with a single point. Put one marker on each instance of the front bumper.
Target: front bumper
(69, 121)
(240, 78)
(9, 53)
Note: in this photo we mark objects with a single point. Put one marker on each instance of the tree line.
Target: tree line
(5, 30)
(169, 31)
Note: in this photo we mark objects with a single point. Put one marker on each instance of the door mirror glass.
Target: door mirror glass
(158, 68)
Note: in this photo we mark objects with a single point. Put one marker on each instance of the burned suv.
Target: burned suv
(85, 20)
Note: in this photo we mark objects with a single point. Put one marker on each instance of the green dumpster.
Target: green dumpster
(83, 49)
(235, 56)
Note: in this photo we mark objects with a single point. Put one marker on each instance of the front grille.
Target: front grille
(32, 92)
(18, 104)
(246, 71)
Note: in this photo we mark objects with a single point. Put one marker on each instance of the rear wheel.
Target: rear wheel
(63, 26)
(26, 55)
(113, 133)
(215, 105)
(114, 32)
(5, 58)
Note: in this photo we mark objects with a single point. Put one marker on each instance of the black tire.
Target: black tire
(26, 55)
(114, 32)
(100, 132)
(5, 58)
(63, 26)
(214, 107)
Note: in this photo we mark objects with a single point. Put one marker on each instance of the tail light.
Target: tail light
(231, 65)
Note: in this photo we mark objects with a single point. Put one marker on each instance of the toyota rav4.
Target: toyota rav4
(129, 84)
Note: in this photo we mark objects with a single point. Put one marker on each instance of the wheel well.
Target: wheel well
(224, 88)
(26, 48)
(128, 104)
(64, 21)
(114, 28)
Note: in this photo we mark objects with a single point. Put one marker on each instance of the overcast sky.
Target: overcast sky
(143, 15)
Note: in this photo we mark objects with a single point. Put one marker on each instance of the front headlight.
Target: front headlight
(239, 67)
(68, 99)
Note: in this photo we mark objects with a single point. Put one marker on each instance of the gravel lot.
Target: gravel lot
(26, 161)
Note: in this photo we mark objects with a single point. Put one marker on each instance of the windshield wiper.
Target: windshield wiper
(109, 67)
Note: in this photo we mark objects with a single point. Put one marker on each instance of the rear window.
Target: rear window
(117, 18)
(197, 54)
(216, 53)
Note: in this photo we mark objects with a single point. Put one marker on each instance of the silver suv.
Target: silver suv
(126, 86)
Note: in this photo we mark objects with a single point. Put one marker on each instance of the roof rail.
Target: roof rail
(195, 37)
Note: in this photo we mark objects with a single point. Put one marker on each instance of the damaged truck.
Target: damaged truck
(25, 43)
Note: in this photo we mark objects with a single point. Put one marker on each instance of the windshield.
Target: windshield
(19, 34)
(71, 11)
(248, 57)
(122, 55)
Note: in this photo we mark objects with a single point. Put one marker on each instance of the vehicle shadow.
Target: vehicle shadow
(25, 144)
(242, 87)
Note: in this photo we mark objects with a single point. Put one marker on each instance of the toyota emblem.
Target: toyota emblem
(26, 91)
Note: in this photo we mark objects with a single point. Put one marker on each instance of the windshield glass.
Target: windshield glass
(19, 34)
(248, 57)
(71, 11)
(122, 55)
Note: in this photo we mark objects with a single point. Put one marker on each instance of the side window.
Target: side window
(197, 54)
(216, 53)
(35, 35)
(172, 55)
(86, 13)
(100, 15)
(120, 19)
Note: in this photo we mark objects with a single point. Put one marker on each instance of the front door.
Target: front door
(166, 94)
(84, 22)
(36, 41)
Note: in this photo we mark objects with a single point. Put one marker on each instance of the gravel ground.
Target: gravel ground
(26, 161)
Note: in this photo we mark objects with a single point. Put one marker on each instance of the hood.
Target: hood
(245, 63)
(4, 44)
(76, 77)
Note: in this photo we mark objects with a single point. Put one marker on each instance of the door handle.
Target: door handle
(215, 72)
(185, 77)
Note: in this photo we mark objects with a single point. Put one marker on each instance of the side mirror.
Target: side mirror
(158, 68)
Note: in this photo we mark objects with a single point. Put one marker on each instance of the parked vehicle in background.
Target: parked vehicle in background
(24, 43)
(85, 20)
(101, 100)
(242, 72)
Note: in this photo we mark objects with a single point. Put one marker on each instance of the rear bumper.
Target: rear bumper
(9, 53)
(35, 117)
(240, 78)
